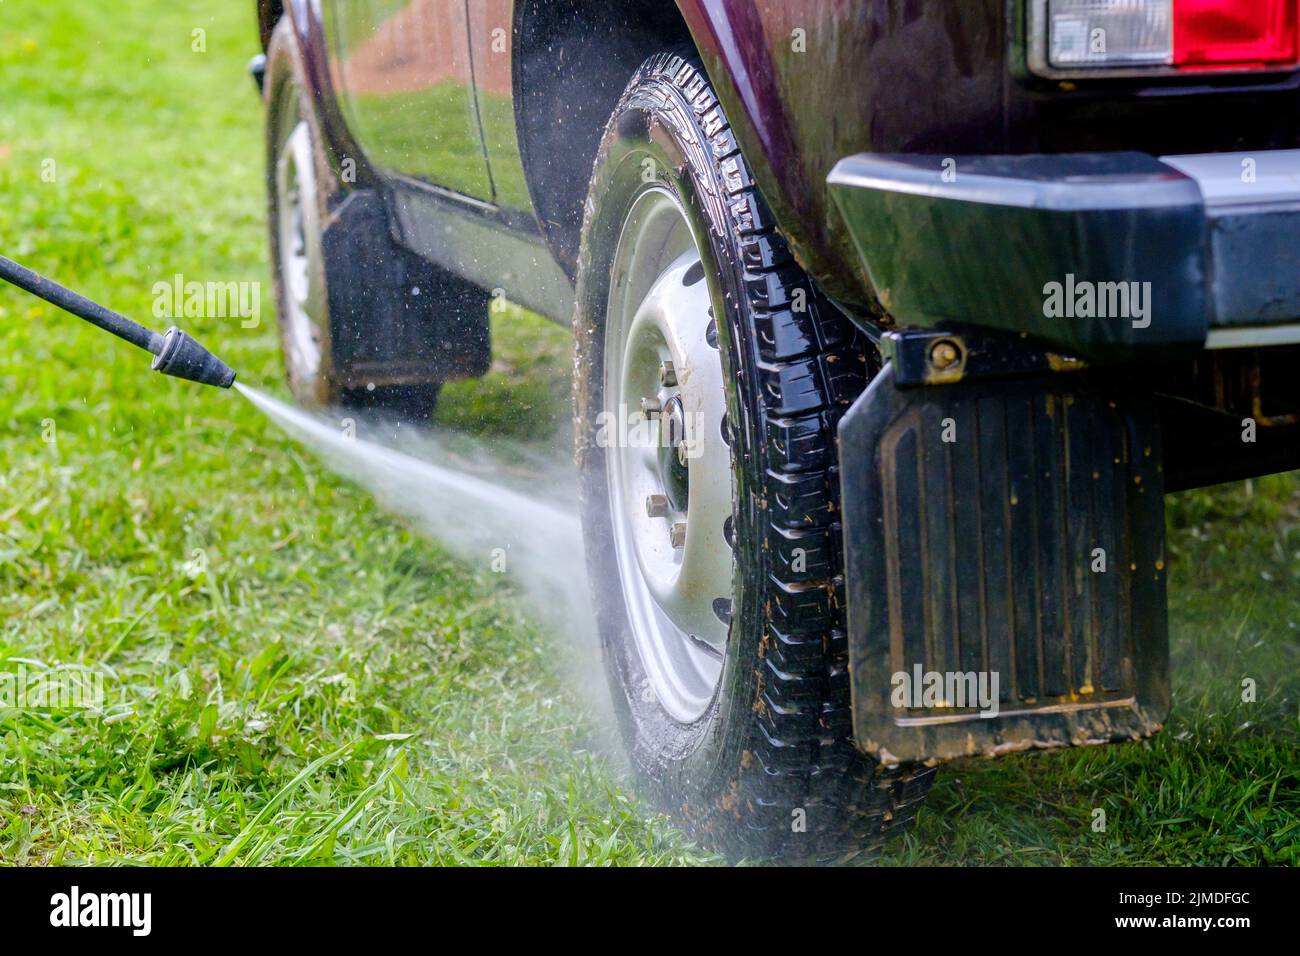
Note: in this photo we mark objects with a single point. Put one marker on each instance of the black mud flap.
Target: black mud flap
(1005, 568)
(395, 318)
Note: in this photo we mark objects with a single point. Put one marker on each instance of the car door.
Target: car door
(404, 76)
(491, 43)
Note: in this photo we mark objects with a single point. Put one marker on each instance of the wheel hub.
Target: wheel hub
(674, 454)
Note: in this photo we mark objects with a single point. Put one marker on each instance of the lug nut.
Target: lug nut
(650, 407)
(677, 534)
(683, 455)
(656, 506)
(944, 355)
(667, 375)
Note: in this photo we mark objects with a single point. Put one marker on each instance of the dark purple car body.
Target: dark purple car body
(873, 76)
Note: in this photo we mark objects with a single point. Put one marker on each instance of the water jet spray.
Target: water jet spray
(175, 352)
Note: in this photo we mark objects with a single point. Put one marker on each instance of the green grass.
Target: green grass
(335, 689)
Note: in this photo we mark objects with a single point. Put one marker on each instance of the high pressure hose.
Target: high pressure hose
(175, 353)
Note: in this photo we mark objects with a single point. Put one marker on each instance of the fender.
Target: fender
(755, 56)
(808, 82)
(308, 24)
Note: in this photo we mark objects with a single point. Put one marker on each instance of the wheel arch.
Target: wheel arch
(573, 60)
(269, 13)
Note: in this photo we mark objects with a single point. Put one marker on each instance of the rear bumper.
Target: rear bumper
(1108, 256)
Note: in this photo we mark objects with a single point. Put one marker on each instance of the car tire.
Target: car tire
(298, 206)
(762, 762)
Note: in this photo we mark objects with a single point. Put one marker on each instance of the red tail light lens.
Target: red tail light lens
(1235, 34)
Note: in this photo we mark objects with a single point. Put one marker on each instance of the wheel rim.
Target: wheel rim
(300, 264)
(676, 586)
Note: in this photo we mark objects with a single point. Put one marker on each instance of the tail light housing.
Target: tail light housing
(1163, 37)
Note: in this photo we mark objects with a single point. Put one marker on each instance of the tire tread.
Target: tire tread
(812, 364)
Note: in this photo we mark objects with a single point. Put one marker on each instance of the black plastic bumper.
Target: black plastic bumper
(1103, 255)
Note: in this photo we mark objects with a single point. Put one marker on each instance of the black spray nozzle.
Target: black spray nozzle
(182, 357)
(174, 353)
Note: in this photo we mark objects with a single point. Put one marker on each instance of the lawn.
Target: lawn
(293, 676)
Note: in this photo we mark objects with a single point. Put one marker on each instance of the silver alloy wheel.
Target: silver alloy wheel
(669, 471)
(301, 267)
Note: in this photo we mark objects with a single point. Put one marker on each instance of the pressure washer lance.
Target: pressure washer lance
(174, 352)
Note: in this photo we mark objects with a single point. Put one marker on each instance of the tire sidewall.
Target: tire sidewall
(692, 768)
